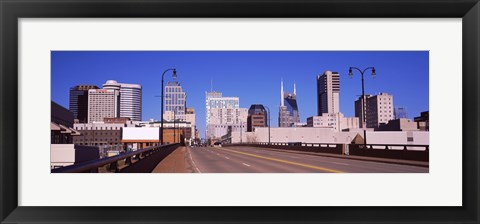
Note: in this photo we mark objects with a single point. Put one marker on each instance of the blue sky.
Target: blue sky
(254, 76)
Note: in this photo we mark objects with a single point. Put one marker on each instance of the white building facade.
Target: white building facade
(325, 135)
(379, 109)
(335, 120)
(103, 103)
(216, 100)
(228, 115)
(223, 114)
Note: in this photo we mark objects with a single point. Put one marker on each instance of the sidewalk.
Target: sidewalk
(176, 162)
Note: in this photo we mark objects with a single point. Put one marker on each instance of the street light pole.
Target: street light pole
(364, 112)
(174, 128)
(268, 124)
(241, 129)
(162, 96)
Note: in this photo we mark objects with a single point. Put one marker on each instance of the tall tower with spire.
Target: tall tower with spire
(294, 89)
(288, 111)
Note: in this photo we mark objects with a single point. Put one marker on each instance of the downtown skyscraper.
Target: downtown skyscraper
(215, 99)
(328, 104)
(175, 102)
(103, 103)
(288, 114)
(223, 115)
(328, 93)
(130, 99)
(78, 103)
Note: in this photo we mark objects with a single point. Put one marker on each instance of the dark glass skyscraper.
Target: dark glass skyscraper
(257, 117)
(288, 113)
(79, 101)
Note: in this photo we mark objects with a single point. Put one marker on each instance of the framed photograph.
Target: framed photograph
(247, 112)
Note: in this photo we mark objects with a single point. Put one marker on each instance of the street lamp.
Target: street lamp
(174, 128)
(162, 96)
(241, 129)
(364, 112)
(268, 124)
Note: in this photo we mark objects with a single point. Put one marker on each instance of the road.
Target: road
(257, 160)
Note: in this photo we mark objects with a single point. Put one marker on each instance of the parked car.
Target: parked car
(217, 144)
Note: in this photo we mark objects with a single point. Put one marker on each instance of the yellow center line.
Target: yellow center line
(285, 161)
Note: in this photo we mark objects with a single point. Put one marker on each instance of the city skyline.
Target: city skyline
(253, 76)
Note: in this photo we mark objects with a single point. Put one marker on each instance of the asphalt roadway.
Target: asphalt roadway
(241, 159)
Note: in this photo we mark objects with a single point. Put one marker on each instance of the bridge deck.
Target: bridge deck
(176, 162)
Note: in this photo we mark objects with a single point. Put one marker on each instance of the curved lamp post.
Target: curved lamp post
(364, 112)
(174, 128)
(163, 97)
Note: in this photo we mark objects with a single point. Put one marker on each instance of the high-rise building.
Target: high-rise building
(328, 104)
(190, 118)
(288, 113)
(328, 93)
(130, 99)
(378, 108)
(257, 117)
(175, 101)
(223, 114)
(216, 100)
(103, 103)
(228, 116)
(358, 110)
(79, 102)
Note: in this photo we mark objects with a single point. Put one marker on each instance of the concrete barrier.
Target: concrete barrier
(387, 151)
(391, 151)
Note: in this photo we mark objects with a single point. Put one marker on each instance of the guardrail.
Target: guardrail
(389, 151)
(298, 144)
(391, 147)
(130, 158)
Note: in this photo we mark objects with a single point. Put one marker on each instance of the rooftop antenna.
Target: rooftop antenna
(294, 89)
(281, 92)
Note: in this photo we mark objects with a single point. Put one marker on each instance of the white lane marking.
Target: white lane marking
(226, 157)
(245, 164)
(341, 163)
(194, 165)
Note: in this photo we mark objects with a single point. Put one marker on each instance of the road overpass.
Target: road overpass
(249, 159)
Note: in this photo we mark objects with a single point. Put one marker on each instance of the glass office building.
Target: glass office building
(79, 101)
(288, 114)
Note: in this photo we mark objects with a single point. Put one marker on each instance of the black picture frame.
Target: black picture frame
(11, 11)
